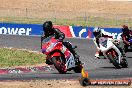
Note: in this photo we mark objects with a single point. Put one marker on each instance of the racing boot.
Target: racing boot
(99, 55)
(76, 56)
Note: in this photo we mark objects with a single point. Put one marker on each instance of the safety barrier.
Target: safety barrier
(70, 31)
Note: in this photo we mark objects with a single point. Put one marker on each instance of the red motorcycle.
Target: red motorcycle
(59, 56)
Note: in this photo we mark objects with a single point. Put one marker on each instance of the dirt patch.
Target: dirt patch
(65, 8)
(51, 84)
(28, 66)
(102, 6)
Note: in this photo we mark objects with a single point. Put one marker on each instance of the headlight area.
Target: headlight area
(50, 47)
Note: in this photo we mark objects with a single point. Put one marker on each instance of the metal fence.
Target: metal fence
(18, 15)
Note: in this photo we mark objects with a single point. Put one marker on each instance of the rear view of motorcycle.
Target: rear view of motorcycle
(59, 56)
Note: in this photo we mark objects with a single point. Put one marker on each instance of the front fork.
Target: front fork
(118, 52)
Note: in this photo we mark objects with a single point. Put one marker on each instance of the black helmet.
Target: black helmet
(47, 25)
(125, 29)
(97, 32)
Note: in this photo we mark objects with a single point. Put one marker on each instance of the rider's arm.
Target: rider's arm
(59, 33)
(124, 40)
(42, 38)
(96, 43)
(106, 36)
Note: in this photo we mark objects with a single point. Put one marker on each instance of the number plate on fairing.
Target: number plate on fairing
(70, 62)
(103, 42)
(63, 49)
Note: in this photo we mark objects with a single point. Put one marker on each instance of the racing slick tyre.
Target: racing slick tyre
(59, 64)
(84, 81)
(124, 63)
(78, 68)
(113, 61)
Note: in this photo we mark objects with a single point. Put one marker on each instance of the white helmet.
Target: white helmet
(97, 32)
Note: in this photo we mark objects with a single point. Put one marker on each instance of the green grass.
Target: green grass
(81, 21)
(13, 57)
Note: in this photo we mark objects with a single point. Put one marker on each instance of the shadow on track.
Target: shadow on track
(108, 67)
(59, 73)
(129, 57)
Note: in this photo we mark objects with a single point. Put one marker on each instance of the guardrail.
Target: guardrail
(70, 31)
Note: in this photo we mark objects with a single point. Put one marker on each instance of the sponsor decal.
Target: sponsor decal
(15, 31)
(81, 32)
(116, 35)
(65, 30)
(69, 31)
(20, 29)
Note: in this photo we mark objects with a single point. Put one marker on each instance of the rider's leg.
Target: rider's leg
(99, 55)
(119, 53)
(69, 46)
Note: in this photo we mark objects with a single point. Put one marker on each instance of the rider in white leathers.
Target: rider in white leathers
(98, 34)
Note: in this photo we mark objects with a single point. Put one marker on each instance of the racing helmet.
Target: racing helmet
(125, 29)
(97, 32)
(47, 25)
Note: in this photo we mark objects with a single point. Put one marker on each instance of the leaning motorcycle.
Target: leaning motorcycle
(111, 52)
(59, 56)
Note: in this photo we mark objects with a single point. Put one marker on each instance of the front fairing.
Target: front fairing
(105, 44)
(48, 44)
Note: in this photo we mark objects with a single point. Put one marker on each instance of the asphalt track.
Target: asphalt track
(97, 68)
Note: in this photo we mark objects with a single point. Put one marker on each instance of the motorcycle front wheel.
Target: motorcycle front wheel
(59, 64)
(113, 61)
(124, 63)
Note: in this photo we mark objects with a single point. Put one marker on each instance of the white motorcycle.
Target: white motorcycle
(111, 52)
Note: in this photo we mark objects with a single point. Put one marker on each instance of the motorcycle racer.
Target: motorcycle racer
(98, 34)
(49, 30)
(126, 34)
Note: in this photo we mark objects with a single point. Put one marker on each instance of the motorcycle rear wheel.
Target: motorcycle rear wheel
(59, 65)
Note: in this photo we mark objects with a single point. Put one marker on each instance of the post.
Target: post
(26, 12)
(85, 18)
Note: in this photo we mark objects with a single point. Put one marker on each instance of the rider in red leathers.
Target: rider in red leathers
(49, 30)
(126, 34)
